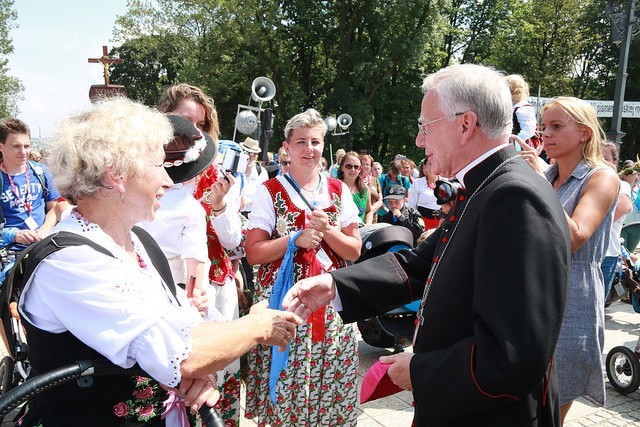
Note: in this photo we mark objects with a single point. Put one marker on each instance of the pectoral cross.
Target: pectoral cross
(106, 63)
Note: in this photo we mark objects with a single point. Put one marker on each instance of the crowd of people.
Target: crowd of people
(498, 340)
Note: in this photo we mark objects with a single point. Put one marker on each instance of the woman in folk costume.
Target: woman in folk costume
(223, 229)
(303, 224)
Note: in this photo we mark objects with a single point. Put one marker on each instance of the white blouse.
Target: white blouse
(422, 195)
(114, 306)
(263, 214)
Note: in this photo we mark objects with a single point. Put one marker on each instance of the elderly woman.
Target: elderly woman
(109, 161)
(303, 224)
(588, 189)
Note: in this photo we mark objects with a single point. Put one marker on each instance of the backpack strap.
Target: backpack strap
(39, 173)
(32, 255)
(158, 258)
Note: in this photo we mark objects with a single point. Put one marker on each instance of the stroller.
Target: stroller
(16, 386)
(622, 364)
(390, 328)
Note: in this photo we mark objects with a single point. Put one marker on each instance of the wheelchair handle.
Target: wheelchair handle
(84, 368)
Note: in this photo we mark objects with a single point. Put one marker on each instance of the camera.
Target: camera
(234, 161)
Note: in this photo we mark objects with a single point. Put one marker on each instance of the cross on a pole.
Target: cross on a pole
(106, 63)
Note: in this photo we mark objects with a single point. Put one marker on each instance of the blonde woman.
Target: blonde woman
(587, 188)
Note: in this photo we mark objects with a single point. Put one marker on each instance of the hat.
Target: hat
(396, 192)
(250, 145)
(190, 151)
(377, 384)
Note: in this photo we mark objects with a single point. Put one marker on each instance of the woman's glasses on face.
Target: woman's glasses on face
(285, 163)
(350, 166)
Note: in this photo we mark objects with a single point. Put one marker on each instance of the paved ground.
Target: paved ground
(623, 328)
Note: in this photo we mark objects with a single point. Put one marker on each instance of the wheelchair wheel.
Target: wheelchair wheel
(6, 374)
(623, 369)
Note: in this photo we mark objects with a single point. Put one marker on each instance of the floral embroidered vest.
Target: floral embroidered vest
(290, 218)
(221, 267)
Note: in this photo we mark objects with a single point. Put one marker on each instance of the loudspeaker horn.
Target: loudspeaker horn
(262, 89)
(331, 123)
(344, 121)
(246, 122)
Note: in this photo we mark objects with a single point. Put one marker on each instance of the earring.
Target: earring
(122, 197)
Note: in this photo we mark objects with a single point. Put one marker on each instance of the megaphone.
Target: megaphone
(262, 89)
(331, 123)
(344, 121)
(246, 122)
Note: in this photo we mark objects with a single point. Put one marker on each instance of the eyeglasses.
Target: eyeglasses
(285, 162)
(422, 127)
(350, 166)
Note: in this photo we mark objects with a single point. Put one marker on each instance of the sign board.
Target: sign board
(630, 109)
(97, 92)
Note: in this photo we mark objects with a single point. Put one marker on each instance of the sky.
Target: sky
(52, 44)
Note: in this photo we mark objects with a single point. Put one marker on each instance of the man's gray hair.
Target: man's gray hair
(469, 87)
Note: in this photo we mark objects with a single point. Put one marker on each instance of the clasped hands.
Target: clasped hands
(312, 235)
(311, 293)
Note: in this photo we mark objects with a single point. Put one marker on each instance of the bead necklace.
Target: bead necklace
(86, 223)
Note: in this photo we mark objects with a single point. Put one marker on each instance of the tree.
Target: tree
(365, 58)
(10, 87)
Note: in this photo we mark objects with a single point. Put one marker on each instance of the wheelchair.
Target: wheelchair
(16, 387)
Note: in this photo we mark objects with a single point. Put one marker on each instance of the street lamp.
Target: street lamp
(624, 25)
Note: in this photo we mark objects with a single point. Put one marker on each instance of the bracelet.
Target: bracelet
(224, 206)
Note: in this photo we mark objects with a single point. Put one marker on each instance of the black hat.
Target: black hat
(396, 192)
(190, 151)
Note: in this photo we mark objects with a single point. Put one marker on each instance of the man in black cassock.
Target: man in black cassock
(493, 277)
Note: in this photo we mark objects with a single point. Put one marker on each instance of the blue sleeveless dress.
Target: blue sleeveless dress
(578, 356)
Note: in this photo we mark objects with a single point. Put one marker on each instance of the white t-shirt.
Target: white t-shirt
(251, 184)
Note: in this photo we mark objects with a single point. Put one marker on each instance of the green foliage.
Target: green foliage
(10, 87)
(365, 58)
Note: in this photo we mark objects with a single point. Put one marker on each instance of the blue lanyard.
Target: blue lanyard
(296, 187)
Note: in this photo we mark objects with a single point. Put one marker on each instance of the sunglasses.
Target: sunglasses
(350, 166)
(285, 163)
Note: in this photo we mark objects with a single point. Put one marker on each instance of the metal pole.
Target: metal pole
(615, 133)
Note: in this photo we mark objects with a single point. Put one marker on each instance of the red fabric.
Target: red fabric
(430, 223)
(221, 267)
(317, 318)
(377, 384)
